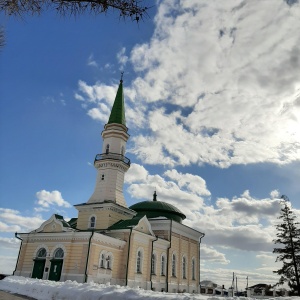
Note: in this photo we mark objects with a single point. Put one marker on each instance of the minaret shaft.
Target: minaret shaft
(111, 165)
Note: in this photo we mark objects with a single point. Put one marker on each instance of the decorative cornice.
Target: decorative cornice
(115, 130)
(53, 219)
(56, 236)
(145, 220)
(162, 244)
(142, 237)
(186, 231)
(181, 229)
(108, 240)
(105, 206)
(108, 163)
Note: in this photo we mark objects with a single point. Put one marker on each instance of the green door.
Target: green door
(38, 268)
(55, 269)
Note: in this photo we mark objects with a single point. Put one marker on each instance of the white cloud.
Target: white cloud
(249, 206)
(122, 58)
(97, 114)
(265, 256)
(91, 61)
(98, 99)
(78, 97)
(9, 228)
(224, 276)
(275, 194)
(136, 173)
(211, 254)
(97, 92)
(186, 197)
(224, 76)
(9, 243)
(190, 182)
(40, 209)
(8, 263)
(243, 222)
(45, 199)
(13, 221)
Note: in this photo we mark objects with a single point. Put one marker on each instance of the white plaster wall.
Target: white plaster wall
(115, 144)
(111, 188)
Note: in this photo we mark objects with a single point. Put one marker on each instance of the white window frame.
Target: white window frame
(109, 261)
(55, 252)
(163, 261)
(38, 252)
(174, 258)
(90, 222)
(193, 269)
(153, 263)
(102, 260)
(183, 267)
(139, 261)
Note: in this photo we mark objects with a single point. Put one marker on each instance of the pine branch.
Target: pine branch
(288, 235)
(127, 8)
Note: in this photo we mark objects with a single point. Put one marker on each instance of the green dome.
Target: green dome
(155, 209)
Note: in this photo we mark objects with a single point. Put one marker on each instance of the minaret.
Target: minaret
(107, 205)
(111, 164)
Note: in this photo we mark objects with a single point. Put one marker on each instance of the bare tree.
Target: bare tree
(127, 8)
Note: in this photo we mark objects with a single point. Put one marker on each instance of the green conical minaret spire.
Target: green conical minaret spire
(117, 114)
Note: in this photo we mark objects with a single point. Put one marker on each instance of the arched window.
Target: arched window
(193, 269)
(183, 267)
(173, 265)
(102, 261)
(163, 265)
(122, 150)
(153, 264)
(92, 222)
(108, 262)
(42, 253)
(59, 253)
(107, 149)
(139, 262)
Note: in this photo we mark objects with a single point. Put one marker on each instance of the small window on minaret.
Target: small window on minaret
(102, 177)
(122, 150)
(92, 222)
(107, 149)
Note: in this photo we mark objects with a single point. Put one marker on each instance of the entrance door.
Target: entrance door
(55, 269)
(38, 268)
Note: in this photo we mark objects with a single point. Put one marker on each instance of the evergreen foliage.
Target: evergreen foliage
(2, 40)
(127, 8)
(288, 236)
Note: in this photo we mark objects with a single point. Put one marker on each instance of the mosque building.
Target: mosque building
(144, 245)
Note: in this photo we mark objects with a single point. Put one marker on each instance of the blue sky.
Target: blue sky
(212, 93)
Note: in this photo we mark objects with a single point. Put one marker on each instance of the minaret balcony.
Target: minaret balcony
(112, 156)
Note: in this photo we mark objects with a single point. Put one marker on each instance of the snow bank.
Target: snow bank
(49, 290)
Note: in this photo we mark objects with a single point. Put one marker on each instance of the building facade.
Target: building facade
(145, 245)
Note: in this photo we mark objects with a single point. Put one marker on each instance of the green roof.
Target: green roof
(117, 114)
(150, 209)
(155, 209)
(57, 216)
(61, 218)
(73, 222)
(123, 224)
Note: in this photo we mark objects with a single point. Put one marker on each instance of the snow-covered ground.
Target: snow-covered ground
(49, 290)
